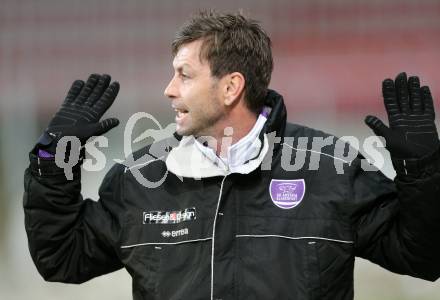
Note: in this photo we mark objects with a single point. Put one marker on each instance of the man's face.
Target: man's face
(195, 94)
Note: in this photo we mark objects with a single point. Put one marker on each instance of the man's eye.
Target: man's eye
(184, 75)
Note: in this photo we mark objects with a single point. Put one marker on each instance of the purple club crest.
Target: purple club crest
(288, 193)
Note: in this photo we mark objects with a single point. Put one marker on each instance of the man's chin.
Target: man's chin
(184, 131)
(187, 132)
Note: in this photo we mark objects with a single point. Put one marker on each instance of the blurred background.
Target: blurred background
(330, 58)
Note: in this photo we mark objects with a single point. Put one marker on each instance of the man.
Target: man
(228, 221)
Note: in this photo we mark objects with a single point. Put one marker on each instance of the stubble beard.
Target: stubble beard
(205, 118)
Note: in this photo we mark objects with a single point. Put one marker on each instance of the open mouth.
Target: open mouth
(180, 113)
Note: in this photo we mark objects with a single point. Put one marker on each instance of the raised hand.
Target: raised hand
(412, 132)
(81, 111)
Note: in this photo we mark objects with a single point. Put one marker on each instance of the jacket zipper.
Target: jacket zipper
(213, 237)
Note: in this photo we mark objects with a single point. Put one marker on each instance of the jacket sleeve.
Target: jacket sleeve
(397, 225)
(70, 239)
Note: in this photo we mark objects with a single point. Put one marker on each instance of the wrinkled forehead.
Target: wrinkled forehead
(190, 54)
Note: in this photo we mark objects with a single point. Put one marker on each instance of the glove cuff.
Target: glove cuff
(418, 167)
(46, 166)
(46, 142)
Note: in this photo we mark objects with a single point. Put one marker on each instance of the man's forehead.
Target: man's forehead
(188, 55)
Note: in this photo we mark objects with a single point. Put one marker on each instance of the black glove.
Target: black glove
(80, 113)
(412, 133)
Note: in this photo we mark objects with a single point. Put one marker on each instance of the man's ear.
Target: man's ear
(233, 88)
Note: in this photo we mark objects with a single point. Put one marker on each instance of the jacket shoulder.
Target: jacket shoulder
(298, 130)
(315, 140)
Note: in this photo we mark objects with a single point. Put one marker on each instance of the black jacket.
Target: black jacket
(204, 233)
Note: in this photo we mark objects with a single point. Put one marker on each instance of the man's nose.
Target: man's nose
(171, 90)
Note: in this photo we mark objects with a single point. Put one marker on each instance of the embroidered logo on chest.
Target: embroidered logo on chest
(169, 217)
(287, 193)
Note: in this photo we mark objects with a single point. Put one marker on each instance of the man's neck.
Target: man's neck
(234, 155)
(238, 125)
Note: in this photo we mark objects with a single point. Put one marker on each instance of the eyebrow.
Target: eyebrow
(186, 66)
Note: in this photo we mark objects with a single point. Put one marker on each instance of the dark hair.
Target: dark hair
(232, 43)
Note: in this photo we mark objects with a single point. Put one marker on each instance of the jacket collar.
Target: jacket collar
(186, 160)
(277, 118)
